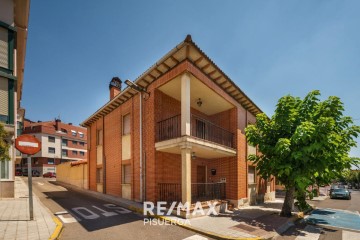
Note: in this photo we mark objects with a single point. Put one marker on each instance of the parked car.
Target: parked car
(49, 175)
(18, 172)
(341, 193)
(336, 186)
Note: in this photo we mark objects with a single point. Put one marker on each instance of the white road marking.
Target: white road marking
(40, 183)
(195, 237)
(309, 233)
(81, 211)
(117, 208)
(105, 213)
(347, 235)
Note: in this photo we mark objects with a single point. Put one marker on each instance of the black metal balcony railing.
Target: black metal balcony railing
(171, 128)
(171, 192)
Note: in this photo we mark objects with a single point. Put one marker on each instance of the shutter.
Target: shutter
(4, 48)
(4, 96)
(126, 124)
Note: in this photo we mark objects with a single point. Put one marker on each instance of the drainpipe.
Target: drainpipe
(246, 155)
(104, 157)
(141, 152)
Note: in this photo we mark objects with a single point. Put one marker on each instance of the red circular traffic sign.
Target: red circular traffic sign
(27, 144)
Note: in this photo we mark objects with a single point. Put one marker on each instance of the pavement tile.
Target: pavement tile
(14, 216)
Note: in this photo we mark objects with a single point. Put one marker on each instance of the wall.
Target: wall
(74, 175)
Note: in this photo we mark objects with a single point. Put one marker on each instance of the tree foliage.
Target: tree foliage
(305, 142)
(4, 145)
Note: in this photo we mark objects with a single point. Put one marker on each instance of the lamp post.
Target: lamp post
(140, 90)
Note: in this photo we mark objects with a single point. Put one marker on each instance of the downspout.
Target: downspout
(141, 152)
(246, 156)
(104, 157)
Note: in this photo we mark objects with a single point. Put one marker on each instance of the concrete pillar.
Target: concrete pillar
(185, 104)
(186, 175)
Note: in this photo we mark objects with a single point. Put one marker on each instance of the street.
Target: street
(334, 219)
(90, 218)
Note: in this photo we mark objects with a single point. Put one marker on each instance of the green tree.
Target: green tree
(305, 142)
(4, 145)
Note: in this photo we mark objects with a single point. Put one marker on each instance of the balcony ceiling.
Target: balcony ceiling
(212, 102)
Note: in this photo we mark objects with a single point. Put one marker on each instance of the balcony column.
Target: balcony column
(186, 174)
(185, 104)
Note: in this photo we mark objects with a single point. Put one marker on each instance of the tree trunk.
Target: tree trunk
(288, 203)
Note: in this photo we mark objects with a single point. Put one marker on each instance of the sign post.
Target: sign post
(30, 145)
(31, 205)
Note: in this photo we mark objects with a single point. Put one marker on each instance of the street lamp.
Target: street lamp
(140, 90)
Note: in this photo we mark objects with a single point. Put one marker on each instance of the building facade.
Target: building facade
(60, 142)
(175, 134)
(14, 16)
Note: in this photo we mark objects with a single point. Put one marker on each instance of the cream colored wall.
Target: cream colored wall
(74, 175)
(126, 147)
(45, 144)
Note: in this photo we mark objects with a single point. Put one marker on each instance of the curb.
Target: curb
(59, 227)
(140, 211)
(208, 234)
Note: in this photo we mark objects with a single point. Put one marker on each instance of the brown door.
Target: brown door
(201, 174)
(201, 178)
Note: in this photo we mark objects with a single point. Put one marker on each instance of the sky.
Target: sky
(268, 48)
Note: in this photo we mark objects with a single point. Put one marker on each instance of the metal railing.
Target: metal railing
(208, 191)
(171, 192)
(209, 131)
(169, 128)
(200, 128)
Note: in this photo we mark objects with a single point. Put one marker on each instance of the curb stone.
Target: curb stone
(59, 227)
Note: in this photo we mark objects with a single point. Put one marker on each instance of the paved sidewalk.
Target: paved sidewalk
(14, 216)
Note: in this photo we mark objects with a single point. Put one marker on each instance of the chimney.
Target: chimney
(57, 121)
(70, 124)
(115, 87)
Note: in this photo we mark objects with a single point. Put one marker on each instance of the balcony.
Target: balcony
(200, 128)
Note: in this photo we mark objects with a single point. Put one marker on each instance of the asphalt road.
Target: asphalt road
(85, 217)
(329, 210)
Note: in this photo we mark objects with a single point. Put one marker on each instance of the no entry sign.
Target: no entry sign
(27, 144)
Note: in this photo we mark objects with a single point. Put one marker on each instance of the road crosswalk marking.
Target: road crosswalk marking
(309, 233)
(195, 237)
(347, 235)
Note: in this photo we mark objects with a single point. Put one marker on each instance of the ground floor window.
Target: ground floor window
(5, 169)
(99, 175)
(126, 174)
(251, 175)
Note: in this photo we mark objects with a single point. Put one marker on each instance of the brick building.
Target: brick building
(14, 15)
(175, 134)
(60, 142)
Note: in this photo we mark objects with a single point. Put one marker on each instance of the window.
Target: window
(99, 137)
(4, 173)
(73, 133)
(251, 175)
(63, 130)
(126, 124)
(126, 174)
(51, 139)
(74, 152)
(82, 143)
(64, 152)
(74, 142)
(64, 142)
(51, 150)
(81, 134)
(51, 161)
(99, 175)
(82, 153)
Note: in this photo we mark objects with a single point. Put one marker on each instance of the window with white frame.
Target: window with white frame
(5, 169)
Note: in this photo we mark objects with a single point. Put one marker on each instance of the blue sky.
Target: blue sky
(269, 48)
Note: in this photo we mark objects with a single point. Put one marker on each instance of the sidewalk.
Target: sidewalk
(252, 222)
(14, 216)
